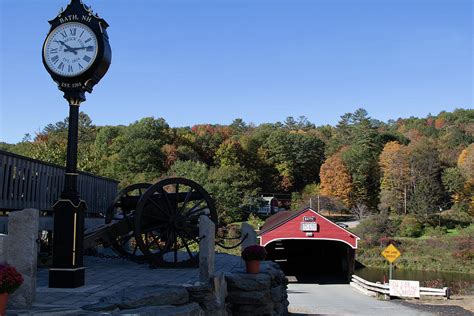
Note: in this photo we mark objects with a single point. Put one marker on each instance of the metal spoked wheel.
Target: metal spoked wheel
(123, 207)
(167, 222)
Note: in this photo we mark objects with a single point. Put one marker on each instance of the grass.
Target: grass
(452, 232)
(449, 252)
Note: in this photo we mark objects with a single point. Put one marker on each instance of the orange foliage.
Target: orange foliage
(171, 154)
(466, 165)
(335, 179)
(466, 162)
(439, 123)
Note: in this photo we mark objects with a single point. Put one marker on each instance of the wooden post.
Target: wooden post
(390, 273)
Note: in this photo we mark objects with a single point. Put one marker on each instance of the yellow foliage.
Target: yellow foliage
(335, 179)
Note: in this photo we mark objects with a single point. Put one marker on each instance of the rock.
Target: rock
(191, 309)
(200, 293)
(220, 289)
(252, 297)
(204, 295)
(276, 275)
(278, 308)
(100, 307)
(3, 248)
(207, 251)
(248, 282)
(263, 309)
(251, 236)
(276, 293)
(148, 296)
(22, 253)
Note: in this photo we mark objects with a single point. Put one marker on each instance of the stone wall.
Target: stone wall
(264, 293)
(199, 299)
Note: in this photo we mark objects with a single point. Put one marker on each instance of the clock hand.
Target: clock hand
(67, 47)
(77, 48)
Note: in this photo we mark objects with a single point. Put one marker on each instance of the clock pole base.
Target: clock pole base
(66, 278)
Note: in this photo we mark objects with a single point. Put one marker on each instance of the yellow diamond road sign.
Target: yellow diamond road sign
(391, 253)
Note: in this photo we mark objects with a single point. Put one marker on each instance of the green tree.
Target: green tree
(425, 179)
(229, 153)
(296, 156)
(141, 153)
(193, 170)
(234, 191)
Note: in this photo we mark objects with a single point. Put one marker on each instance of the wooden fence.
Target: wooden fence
(371, 288)
(31, 183)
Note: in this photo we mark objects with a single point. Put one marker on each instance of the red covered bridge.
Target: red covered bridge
(307, 242)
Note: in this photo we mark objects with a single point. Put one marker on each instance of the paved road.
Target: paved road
(341, 299)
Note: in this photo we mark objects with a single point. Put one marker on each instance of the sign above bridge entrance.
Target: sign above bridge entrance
(391, 253)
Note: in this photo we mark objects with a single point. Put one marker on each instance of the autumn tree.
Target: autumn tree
(229, 153)
(395, 179)
(336, 180)
(206, 139)
(466, 168)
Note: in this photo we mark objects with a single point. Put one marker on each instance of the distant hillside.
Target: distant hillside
(408, 165)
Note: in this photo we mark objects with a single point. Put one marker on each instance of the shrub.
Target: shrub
(410, 227)
(374, 227)
(255, 221)
(437, 231)
(386, 240)
(453, 218)
(254, 252)
(10, 279)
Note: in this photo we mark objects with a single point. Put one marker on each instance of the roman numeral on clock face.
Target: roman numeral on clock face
(53, 51)
(64, 34)
(61, 66)
(88, 40)
(69, 68)
(86, 58)
(72, 31)
(55, 59)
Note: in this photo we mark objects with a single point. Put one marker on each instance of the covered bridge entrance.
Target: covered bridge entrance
(306, 242)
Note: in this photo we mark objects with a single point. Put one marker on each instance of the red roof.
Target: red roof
(288, 225)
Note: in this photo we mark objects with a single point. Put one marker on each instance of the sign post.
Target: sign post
(391, 253)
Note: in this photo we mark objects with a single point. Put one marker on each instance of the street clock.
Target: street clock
(76, 52)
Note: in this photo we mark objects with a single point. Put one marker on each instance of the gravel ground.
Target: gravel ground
(456, 305)
(438, 309)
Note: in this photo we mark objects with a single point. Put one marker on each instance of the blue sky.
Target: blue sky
(210, 61)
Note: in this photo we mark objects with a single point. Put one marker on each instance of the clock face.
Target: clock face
(70, 49)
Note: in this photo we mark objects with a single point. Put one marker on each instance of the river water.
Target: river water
(459, 282)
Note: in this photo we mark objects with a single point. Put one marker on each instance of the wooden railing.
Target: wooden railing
(31, 183)
(373, 288)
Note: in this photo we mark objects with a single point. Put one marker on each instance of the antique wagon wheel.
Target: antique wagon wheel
(167, 221)
(123, 208)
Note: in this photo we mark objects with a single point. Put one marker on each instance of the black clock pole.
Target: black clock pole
(67, 270)
(77, 54)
